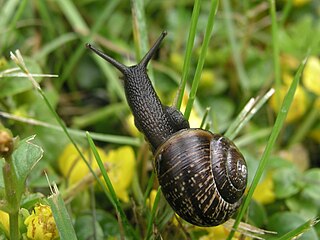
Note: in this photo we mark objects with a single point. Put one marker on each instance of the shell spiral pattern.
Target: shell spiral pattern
(202, 175)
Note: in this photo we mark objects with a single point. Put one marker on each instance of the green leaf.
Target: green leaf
(88, 228)
(286, 182)
(30, 200)
(257, 214)
(303, 205)
(109, 224)
(312, 188)
(24, 158)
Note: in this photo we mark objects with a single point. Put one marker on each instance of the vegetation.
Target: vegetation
(75, 167)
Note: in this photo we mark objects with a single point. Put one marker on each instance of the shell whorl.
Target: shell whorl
(188, 180)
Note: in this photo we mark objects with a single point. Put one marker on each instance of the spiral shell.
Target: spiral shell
(202, 175)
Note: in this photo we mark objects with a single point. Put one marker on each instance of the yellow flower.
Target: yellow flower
(152, 197)
(122, 165)
(131, 127)
(4, 222)
(264, 193)
(120, 168)
(194, 119)
(41, 225)
(311, 75)
(220, 233)
(298, 106)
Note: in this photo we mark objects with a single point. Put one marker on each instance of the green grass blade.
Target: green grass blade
(61, 216)
(153, 212)
(253, 137)
(72, 14)
(204, 48)
(86, 35)
(140, 31)
(114, 199)
(270, 144)
(275, 48)
(75, 132)
(99, 115)
(53, 45)
(7, 12)
(188, 55)
(244, 81)
(204, 118)
(299, 230)
(251, 108)
(10, 20)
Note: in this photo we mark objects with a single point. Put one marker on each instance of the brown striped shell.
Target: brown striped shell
(202, 175)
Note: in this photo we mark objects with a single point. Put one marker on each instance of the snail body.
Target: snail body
(202, 175)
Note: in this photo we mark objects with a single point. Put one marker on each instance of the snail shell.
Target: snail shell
(202, 175)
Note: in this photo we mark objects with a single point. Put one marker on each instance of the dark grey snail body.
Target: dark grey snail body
(203, 175)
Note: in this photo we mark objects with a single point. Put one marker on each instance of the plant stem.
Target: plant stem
(14, 225)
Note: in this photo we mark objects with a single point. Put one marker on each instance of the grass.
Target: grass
(235, 93)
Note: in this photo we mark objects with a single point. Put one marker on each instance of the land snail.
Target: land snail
(202, 175)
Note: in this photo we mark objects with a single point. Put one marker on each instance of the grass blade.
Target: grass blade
(270, 144)
(61, 216)
(114, 199)
(275, 48)
(140, 32)
(71, 13)
(56, 43)
(153, 212)
(204, 48)
(244, 82)
(247, 113)
(117, 139)
(188, 55)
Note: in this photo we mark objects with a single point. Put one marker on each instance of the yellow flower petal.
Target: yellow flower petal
(194, 119)
(120, 168)
(131, 127)
(4, 222)
(311, 75)
(264, 192)
(150, 200)
(41, 225)
(73, 167)
(220, 233)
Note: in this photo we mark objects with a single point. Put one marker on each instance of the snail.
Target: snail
(202, 175)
